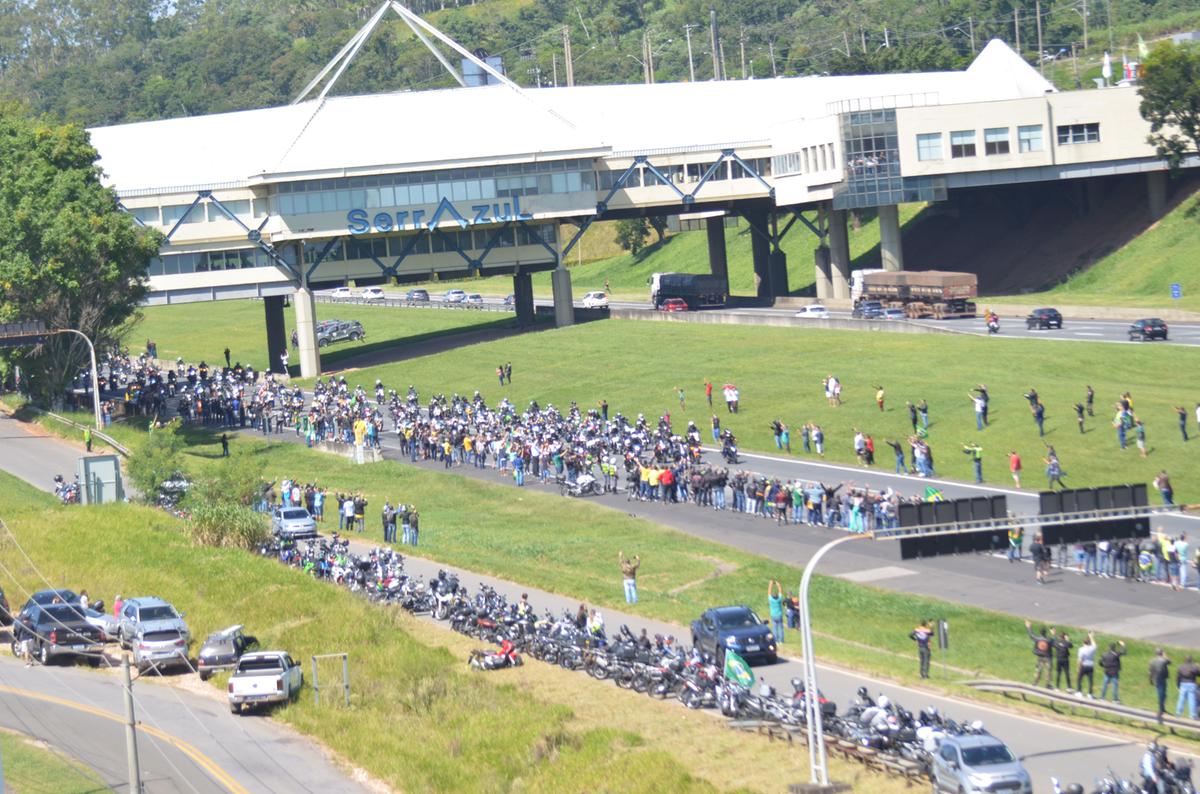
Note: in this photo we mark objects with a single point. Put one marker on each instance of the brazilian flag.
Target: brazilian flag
(737, 670)
(933, 494)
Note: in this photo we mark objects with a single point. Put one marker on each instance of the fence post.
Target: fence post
(316, 684)
(346, 677)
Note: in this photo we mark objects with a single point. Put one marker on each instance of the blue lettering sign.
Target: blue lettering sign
(358, 221)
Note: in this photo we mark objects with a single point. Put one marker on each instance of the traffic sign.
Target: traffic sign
(1176, 290)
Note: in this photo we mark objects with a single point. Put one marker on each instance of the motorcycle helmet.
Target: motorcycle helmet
(1074, 788)
(797, 684)
(883, 702)
(929, 714)
(862, 693)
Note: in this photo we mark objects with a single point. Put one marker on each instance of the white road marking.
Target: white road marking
(876, 574)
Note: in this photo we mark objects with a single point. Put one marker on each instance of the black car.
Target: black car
(331, 331)
(47, 597)
(1148, 329)
(57, 630)
(736, 628)
(417, 295)
(5, 615)
(222, 649)
(868, 310)
(1042, 319)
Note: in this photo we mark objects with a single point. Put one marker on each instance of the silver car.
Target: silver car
(160, 649)
(293, 523)
(978, 764)
(142, 616)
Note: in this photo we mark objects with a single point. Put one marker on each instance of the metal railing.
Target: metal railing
(1056, 697)
(402, 303)
(107, 439)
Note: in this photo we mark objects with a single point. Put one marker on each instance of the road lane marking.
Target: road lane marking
(188, 749)
(876, 574)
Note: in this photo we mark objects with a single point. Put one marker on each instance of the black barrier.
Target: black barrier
(1086, 500)
(946, 515)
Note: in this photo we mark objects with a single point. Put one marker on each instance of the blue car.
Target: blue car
(735, 628)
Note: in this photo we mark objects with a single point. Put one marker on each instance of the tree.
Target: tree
(157, 459)
(659, 223)
(68, 254)
(631, 234)
(1171, 100)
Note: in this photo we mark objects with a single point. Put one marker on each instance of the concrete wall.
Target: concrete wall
(776, 320)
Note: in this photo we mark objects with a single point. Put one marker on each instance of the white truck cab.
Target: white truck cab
(264, 677)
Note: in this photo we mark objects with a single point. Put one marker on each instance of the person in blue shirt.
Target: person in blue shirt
(775, 608)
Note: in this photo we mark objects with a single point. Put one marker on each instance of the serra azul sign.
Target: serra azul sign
(359, 221)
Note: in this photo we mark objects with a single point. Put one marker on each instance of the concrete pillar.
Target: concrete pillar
(779, 276)
(564, 305)
(1156, 189)
(718, 263)
(523, 298)
(891, 249)
(760, 248)
(824, 284)
(306, 333)
(839, 255)
(277, 340)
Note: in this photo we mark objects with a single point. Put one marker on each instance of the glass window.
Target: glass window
(995, 140)
(1070, 134)
(962, 143)
(429, 194)
(1029, 138)
(240, 208)
(929, 146)
(146, 214)
(174, 212)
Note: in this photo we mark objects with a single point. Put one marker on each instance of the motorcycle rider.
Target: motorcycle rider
(1154, 764)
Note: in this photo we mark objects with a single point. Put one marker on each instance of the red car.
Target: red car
(674, 305)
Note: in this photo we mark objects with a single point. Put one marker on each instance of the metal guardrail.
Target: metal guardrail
(107, 439)
(401, 303)
(1055, 697)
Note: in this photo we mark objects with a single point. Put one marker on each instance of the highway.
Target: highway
(1046, 749)
(1116, 331)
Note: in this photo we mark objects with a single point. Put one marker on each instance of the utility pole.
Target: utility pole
(771, 50)
(1075, 66)
(1037, 9)
(1017, 27)
(554, 65)
(846, 41)
(687, 31)
(649, 58)
(886, 42)
(716, 43)
(971, 27)
(862, 35)
(1108, 16)
(742, 44)
(131, 751)
(1085, 25)
(567, 58)
(721, 47)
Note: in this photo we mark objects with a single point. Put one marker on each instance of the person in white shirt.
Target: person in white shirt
(1181, 548)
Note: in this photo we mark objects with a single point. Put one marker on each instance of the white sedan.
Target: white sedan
(595, 300)
(813, 311)
(341, 294)
(373, 294)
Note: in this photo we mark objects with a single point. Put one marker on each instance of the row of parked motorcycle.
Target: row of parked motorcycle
(656, 666)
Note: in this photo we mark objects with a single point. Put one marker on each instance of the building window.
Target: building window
(995, 140)
(962, 143)
(1029, 138)
(929, 146)
(1078, 133)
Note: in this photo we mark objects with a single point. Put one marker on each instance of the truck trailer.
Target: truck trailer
(699, 291)
(936, 294)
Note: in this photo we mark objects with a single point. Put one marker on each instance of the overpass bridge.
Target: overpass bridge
(498, 179)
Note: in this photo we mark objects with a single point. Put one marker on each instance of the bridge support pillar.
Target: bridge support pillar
(277, 340)
(306, 333)
(564, 304)
(523, 298)
(839, 255)
(718, 262)
(823, 282)
(1156, 188)
(891, 250)
(760, 248)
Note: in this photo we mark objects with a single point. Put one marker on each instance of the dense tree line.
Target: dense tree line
(98, 61)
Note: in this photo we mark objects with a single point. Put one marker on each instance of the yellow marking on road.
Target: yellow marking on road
(188, 749)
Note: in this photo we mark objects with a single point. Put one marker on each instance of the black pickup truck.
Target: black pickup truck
(57, 630)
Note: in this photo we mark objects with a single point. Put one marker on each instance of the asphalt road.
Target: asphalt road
(1010, 327)
(1046, 748)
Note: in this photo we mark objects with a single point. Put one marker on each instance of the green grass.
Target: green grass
(628, 275)
(30, 764)
(1141, 272)
(637, 365)
(201, 331)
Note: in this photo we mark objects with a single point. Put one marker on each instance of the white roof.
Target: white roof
(408, 130)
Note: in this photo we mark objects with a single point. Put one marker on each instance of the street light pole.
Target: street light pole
(816, 737)
(95, 372)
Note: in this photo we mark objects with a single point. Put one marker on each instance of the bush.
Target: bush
(157, 459)
(227, 525)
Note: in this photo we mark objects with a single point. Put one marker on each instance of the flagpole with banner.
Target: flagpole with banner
(1106, 69)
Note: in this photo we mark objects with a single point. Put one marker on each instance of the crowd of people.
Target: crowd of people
(351, 509)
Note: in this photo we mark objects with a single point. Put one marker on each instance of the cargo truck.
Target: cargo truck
(698, 291)
(937, 294)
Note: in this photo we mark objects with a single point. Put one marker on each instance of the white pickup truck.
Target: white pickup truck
(264, 677)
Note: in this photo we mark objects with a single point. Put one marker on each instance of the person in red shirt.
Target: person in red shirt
(708, 392)
(1014, 466)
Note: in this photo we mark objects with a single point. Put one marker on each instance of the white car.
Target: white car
(373, 294)
(454, 296)
(263, 677)
(595, 300)
(813, 311)
(341, 294)
(475, 299)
